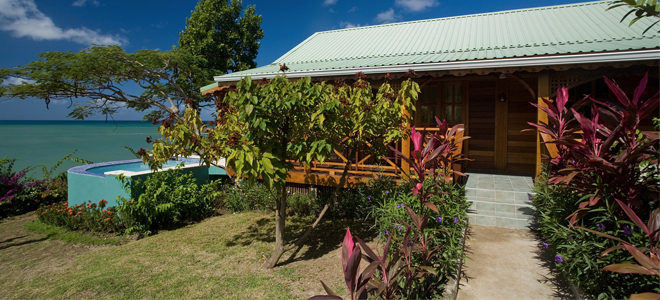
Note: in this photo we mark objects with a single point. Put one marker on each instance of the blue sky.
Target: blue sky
(29, 27)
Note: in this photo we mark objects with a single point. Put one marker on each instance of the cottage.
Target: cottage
(479, 70)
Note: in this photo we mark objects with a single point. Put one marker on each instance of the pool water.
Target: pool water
(130, 167)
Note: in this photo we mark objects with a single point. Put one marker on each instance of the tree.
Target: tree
(217, 31)
(103, 73)
(641, 9)
(262, 127)
(217, 39)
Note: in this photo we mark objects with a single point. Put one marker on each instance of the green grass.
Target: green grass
(219, 258)
(53, 232)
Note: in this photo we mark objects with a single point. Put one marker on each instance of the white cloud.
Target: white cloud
(416, 5)
(387, 16)
(23, 19)
(83, 2)
(329, 2)
(343, 24)
(352, 10)
(15, 81)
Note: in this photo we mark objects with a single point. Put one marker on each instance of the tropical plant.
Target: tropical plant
(641, 9)
(20, 193)
(409, 270)
(162, 200)
(609, 157)
(576, 251)
(433, 157)
(647, 265)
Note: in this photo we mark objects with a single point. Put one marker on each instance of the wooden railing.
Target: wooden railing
(363, 165)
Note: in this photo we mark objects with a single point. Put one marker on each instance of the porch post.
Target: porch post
(405, 146)
(543, 92)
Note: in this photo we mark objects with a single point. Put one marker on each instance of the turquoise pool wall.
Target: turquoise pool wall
(85, 186)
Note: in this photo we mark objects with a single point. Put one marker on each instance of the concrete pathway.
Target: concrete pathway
(507, 264)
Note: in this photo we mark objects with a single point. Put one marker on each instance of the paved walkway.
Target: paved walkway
(507, 264)
(505, 260)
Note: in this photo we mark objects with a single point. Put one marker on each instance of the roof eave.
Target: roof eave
(584, 58)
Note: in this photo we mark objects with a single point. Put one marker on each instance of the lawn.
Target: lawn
(220, 257)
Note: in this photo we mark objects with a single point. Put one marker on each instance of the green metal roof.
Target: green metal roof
(544, 31)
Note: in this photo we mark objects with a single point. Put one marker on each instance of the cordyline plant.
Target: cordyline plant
(433, 157)
(647, 264)
(611, 155)
(395, 274)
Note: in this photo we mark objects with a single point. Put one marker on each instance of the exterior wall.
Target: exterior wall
(86, 187)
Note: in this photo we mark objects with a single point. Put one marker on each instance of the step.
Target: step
(499, 221)
(485, 207)
(511, 197)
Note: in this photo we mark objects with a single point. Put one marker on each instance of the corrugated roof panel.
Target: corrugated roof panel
(565, 29)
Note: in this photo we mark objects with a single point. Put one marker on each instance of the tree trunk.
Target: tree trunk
(299, 242)
(280, 217)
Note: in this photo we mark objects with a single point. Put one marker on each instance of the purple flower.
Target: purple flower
(600, 226)
(545, 245)
(387, 232)
(627, 230)
(410, 244)
(387, 192)
(369, 197)
(455, 220)
(399, 205)
(438, 219)
(558, 259)
(529, 197)
(240, 198)
(398, 228)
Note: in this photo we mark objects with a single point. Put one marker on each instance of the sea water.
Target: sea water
(35, 143)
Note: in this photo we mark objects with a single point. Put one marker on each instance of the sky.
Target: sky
(30, 27)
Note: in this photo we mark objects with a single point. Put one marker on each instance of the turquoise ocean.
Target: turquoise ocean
(46, 142)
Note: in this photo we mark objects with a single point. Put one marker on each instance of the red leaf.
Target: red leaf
(325, 297)
(346, 248)
(633, 217)
(431, 206)
(628, 268)
(644, 260)
(328, 289)
(639, 91)
(413, 216)
(645, 296)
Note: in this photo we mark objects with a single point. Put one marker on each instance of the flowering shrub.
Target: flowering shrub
(420, 250)
(20, 194)
(94, 217)
(577, 253)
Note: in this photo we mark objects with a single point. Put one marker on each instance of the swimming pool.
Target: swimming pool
(98, 181)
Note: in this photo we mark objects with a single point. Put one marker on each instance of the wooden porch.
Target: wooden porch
(494, 105)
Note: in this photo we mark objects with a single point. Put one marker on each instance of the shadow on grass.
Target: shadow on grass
(12, 239)
(23, 243)
(325, 238)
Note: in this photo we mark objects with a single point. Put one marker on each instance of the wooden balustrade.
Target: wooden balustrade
(363, 165)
